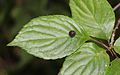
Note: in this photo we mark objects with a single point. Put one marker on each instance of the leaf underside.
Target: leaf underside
(48, 37)
(88, 60)
(96, 16)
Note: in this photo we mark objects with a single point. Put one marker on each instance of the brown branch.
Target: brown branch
(100, 43)
(105, 46)
(116, 7)
(113, 34)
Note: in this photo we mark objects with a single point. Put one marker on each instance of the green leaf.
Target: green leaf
(48, 37)
(88, 60)
(117, 45)
(114, 68)
(96, 16)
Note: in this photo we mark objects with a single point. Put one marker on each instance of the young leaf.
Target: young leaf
(114, 68)
(88, 60)
(117, 45)
(48, 37)
(96, 16)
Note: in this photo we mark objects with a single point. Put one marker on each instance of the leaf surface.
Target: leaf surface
(114, 68)
(117, 45)
(48, 37)
(88, 60)
(96, 16)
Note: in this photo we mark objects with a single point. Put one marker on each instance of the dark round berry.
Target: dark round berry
(72, 33)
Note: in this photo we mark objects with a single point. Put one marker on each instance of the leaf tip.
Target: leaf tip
(11, 43)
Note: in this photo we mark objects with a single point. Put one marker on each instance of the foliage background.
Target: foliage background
(16, 13)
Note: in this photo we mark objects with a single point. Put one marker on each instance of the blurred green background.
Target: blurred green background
(14, 14)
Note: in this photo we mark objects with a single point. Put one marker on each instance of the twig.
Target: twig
(100, 43)
(116, 7)
(113, 34)
(105, 46)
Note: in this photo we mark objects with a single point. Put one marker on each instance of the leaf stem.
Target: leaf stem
(113, 34)
(116, 7)
(100, 43)
(112, 53)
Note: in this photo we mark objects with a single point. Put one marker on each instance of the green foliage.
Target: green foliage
(114, 69)
(88, 60)
(48, 37)
(117, 45)
(95, 16)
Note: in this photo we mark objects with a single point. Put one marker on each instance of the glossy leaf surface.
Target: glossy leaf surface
(96, 16)
(88, 60)
(48, 37)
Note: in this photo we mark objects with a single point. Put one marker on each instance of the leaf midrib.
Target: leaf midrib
(55, 38)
